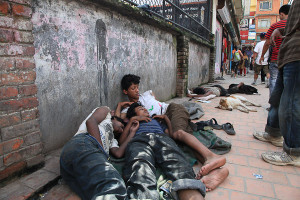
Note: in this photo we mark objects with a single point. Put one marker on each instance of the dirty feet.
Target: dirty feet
(211, 164)
(215, 178)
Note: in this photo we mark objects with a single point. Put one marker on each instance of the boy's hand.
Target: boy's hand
(125, 104)
(141, 118)
(159, 117)
(134, 127)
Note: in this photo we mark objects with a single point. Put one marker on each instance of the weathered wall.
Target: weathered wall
(82, 52)
(198, 71)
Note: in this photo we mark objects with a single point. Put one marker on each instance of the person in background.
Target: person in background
(236, 58)
(283, 15)
(258, 66)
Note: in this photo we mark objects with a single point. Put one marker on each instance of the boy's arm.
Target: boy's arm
(128, 126)
(119, 109)
(169, 130)
(92, 123)
(119, 152)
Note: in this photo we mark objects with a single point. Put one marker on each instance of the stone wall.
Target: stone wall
(20, 141)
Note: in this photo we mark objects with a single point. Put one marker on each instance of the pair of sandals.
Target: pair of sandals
(227, 127)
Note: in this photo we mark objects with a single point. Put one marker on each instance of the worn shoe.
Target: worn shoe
(254, 83)
(265, 137)
(281, 158)
(228, 128)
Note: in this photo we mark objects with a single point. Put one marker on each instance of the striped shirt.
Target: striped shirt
(290, 48)
(278, 41)
(150, 127)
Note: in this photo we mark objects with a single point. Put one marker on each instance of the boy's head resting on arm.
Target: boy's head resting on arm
(137, 109)
(130, 86)
(199, 90)
(118, 126)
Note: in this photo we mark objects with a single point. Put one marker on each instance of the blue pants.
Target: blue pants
(284, 114)
(147, 151)
(86, 170)
(273, 76)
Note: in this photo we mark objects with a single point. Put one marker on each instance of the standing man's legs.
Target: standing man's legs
(289, 117)
(257, 69)
(273, 76)
(272, 132)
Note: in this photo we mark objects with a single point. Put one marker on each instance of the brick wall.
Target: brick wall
(20, 138)
(182, 65)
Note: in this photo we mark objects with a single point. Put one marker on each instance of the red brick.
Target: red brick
(21, 10)
(12, 145)
(28, 50)
(20, 130)
(238, 196)
(6, 22)
(25, 64)
(16, 78)
(10, 105)
(234, 183)
(7, 64)
(36, 160)
(274, 177)
(29, 114)
(294, 179)
(6, 36)
(4, 8)
(23, 37)
(260, 187)
(22, 24)
(32, 138)
(28, 90)
(12, 158)
(10, 120)
(30, 102)
(12, 169)
(8, 92)
(31, 151)
(26, 2)
(286, 192)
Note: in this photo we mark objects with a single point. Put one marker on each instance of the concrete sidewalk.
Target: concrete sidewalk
(243, 160)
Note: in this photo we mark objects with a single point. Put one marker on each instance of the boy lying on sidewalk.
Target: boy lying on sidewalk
(151, 147)
(179, 118)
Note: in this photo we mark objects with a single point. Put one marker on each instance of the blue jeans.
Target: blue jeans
(284, 114)
(273, 76)
(86, 170)
(147, 151)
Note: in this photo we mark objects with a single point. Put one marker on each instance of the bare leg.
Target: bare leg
(209, 159)
(215, 178)
(190, 195)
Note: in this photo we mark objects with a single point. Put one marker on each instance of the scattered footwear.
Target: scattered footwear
(214, 124)
(228, 128)
(254, 83)
(281, 158)
(262, 82)
(265, 137)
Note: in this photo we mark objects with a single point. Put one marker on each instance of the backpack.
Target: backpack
(236, 56)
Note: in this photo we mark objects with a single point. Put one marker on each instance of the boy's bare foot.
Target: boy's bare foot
(211, 164)
(215, 178)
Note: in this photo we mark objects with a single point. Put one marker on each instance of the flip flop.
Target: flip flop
(214, 124)
(228, 128)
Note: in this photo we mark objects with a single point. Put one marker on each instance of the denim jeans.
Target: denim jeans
(147, 151)
(273, 75)
(284, 114)
(86, 170)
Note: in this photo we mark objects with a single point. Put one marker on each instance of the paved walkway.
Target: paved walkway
(243, 160)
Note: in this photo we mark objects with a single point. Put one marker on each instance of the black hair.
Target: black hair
(118, 119)
(199, 90)
(128, 80)
(131, 112)
(285, 9)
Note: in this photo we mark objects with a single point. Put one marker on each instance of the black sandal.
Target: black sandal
(228, 128)
(214, 124)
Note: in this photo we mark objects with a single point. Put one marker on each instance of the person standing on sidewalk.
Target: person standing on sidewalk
(283, 15)
(284, 115)
(236, 59)
(257, 56)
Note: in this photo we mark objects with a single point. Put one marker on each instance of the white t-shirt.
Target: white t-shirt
(153, 106)
(258, 49)
(105, 129)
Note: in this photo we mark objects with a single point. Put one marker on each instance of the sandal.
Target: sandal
(228, 128)
(214, 124)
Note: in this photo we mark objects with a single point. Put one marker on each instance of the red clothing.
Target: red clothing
(280, 24)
